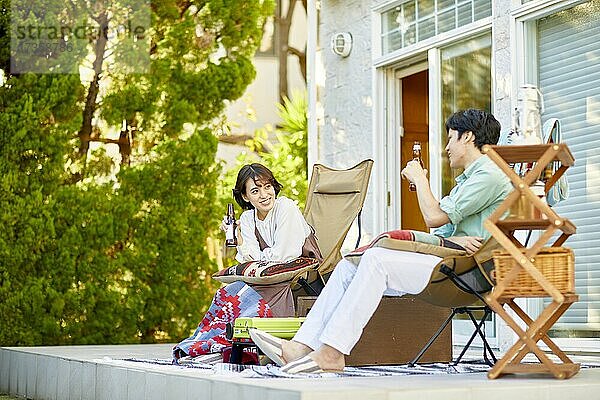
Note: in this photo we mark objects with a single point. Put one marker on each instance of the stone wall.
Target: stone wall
(502, 77)
(501, 58)
(345, 129)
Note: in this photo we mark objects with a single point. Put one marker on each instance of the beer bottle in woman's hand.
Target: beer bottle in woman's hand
(230, 238)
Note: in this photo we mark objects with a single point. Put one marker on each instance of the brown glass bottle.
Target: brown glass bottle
(230, 238)
(416, 157)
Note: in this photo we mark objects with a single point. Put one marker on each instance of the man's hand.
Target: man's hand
(470, 243)
(429, 206)
(414, 172)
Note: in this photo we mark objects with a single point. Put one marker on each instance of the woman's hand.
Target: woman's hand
(470, 243)
(223, 226)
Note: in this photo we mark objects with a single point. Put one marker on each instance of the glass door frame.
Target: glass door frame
(384, 69)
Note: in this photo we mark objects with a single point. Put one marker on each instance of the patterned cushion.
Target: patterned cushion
(412, 241)
(266, 272)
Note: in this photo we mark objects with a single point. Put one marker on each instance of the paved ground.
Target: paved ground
(89, 372)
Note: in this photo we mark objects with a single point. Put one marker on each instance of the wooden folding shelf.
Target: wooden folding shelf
(523, 262)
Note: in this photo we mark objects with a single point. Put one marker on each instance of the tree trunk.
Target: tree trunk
(301, 60)
(283, 27)
(125, 146)
(91, 105)
(284, 24)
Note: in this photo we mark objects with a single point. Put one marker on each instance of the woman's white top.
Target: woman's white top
(284, 230)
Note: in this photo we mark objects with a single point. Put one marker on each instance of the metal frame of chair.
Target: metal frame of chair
(468, 310)
(458, 282)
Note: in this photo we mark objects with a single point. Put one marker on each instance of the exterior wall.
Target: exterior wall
(345, 134)
(502, 78)
(345, 129)
(262, 94)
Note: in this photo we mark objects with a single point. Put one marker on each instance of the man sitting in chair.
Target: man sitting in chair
(351, 296)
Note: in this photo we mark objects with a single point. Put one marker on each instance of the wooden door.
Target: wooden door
(415, 121)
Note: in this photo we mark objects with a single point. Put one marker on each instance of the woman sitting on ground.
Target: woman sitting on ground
(271, 229)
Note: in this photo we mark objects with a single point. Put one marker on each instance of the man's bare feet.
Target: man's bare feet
(292, 350)
(325, 359)
(328, 358)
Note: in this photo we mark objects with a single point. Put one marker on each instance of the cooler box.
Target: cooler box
(284, 328)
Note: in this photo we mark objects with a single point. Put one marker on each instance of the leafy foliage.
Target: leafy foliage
(96, 252)
(287, 158)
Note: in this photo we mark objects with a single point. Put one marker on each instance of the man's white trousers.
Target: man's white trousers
(353, 293)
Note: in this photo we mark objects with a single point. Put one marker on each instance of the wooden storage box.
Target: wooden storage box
(399, 329)
(557, 264)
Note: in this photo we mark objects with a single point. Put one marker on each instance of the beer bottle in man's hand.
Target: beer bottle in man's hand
(230, 238)
(416, 157)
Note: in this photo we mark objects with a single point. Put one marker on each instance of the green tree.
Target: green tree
(103, 249)
(289, 157)
(37, 116)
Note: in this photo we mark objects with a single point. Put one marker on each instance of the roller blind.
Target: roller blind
(569, 77)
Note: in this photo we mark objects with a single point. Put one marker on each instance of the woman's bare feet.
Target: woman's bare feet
(292, 350)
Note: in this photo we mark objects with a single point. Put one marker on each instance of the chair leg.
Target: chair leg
(311, 291)
(486, 346)
(479, 330)
(477, 327)
(461, 284)
(433, 338)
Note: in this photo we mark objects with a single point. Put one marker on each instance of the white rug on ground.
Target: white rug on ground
(211, 363)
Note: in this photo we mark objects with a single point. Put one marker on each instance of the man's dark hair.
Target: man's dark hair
(258, 173)
(484, 126)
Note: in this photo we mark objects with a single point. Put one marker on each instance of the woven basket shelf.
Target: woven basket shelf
(556, 264)
(553, 265)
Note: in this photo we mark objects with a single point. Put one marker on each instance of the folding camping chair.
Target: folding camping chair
(459, 282)
(334, 200)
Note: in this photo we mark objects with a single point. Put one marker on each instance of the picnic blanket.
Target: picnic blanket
(230, 302)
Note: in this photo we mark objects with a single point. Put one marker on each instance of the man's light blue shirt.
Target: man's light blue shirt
(478, 192)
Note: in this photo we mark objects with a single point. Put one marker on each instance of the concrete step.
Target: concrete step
(93, 372)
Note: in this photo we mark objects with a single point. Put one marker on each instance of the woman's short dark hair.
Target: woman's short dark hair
(484, 126)
(258, 173)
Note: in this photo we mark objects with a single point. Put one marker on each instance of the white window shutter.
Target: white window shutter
(569, 78)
